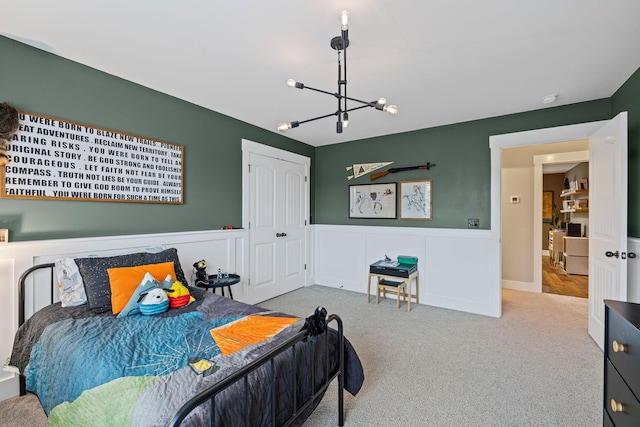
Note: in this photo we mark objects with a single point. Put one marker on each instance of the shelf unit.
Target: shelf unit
(575, 195)
(579, 210)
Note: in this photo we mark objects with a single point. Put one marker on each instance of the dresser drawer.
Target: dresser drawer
(606, 420)
(615, 389)
(625, 338)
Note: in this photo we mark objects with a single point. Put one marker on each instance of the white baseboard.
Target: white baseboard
(520, 286)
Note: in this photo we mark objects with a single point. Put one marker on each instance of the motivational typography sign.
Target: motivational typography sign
(56, 159)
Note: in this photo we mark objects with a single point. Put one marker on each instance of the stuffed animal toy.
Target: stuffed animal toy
(201, 272)
(154, 302)
(316, 323)
(9, 123)
(179, 295)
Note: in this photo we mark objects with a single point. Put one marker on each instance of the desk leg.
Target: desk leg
(369, 288)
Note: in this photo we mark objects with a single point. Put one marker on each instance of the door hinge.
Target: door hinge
(305, 178)
(249, 168)
(305, 266)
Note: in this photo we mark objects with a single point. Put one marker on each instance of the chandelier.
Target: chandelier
(340, 44)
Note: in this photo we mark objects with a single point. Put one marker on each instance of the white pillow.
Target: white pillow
(70, 286)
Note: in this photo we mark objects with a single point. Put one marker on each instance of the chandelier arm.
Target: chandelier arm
(368, 103)
(345, 37)
(340, 87)
(322, 91)
(317, 118)
(357, 108)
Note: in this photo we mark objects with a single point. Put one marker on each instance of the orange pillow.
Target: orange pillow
(123, 281)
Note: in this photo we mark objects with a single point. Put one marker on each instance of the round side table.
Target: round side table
(222, 282)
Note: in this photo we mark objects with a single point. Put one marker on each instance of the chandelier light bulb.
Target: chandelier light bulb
(391, 109)
(291, 83)
(345, 16)
(345, 120)
(283, 127)
(382, 101)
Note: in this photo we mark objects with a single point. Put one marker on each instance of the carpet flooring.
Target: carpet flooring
(534, 366)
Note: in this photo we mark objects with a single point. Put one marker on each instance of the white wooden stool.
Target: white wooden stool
(400, 286)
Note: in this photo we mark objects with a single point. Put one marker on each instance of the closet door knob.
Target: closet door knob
(612, 254)
(617, 347)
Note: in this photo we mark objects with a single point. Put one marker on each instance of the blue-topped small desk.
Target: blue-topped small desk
(394, 281)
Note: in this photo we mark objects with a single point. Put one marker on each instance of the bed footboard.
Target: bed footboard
(288, 346)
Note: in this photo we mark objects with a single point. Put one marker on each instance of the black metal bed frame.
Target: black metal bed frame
(243, 373)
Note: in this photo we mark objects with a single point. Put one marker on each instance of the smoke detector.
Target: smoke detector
(549, 99)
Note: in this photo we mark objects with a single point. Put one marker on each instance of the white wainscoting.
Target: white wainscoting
(457, 269)
(221, 249)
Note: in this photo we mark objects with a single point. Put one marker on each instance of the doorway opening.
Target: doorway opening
(527, 218)
(565, 225)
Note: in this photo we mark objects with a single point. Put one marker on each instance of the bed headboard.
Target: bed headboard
(27, 277)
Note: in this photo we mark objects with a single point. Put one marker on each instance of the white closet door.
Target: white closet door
(277, 227)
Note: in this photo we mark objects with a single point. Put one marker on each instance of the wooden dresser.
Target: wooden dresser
(621, 364)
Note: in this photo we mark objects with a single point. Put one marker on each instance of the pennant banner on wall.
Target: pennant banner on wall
(365, 168)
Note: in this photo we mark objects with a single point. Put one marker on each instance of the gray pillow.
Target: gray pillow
(96, 279)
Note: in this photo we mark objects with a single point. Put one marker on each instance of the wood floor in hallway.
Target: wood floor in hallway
(557, 281)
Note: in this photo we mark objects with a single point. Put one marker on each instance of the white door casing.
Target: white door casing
(520, 139)
(607, 220)
(275, 211)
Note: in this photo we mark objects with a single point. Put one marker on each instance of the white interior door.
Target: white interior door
(607, 220)
(277, 226)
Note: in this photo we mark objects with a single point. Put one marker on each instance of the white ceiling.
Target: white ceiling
(440, 61)
(558, 167)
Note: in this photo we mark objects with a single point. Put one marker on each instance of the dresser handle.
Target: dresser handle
(616, 406)
(617, 347)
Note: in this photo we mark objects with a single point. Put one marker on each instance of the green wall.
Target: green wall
(627, 98)
(35, 81)
(461, 179)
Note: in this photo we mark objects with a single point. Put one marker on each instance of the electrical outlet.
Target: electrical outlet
(473, 223)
